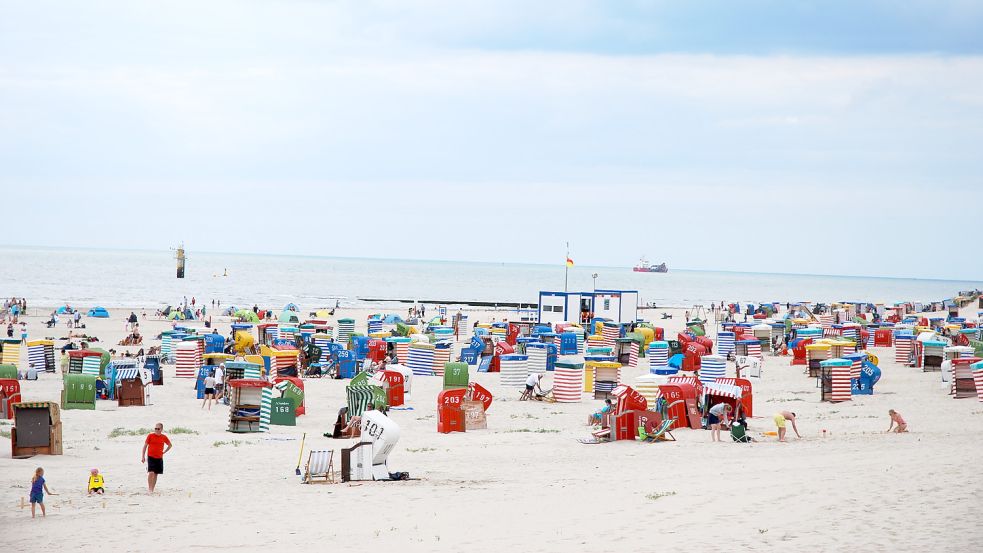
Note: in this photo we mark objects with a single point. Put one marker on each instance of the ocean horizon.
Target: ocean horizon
(49, 276)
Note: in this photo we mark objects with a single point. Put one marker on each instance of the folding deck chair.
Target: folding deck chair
(660, 433)
(545, 395)
(320, 463)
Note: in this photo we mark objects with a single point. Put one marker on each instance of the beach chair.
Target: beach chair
(546, 396)
(659, 434)
(738, 433)
(320, 464)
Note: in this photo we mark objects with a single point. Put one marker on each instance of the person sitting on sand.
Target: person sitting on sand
(780, 419)
(897, 419)
(97, 484)
(717, 418)
(598, 416)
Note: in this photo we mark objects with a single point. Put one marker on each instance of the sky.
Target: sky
(836, 137)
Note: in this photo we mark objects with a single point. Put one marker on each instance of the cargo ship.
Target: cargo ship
(645, 267)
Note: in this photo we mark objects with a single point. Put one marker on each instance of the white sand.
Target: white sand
(507, 489)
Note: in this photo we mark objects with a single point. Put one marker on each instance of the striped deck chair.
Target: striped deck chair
(660, 433)
(320, 464)
(545, 395)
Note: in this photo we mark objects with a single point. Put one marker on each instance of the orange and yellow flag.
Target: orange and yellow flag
(569, 262)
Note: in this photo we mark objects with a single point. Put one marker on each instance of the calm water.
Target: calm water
(117, 278)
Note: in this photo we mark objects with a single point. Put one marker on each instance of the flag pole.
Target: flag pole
(566, 268)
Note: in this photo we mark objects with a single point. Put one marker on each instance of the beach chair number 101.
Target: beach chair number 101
(372, 428)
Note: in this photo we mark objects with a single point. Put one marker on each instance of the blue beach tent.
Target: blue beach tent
(98, 312)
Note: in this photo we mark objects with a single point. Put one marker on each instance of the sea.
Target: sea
(49, 277)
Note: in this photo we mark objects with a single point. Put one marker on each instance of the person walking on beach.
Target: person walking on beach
(896, 418)
(780, 419)
(38, 488)
(719, 416)
(219, 381)
(153, 454)
(209, 390)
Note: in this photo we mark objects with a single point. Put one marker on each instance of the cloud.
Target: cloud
(407, 114)
(474, 116)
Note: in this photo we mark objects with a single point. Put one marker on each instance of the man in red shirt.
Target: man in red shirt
(153, 454)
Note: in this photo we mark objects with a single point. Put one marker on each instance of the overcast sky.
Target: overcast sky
(817, 137)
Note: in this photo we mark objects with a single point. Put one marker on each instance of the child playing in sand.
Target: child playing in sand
(97, 483)
(897, 419)
(38, 489)
(780, 419)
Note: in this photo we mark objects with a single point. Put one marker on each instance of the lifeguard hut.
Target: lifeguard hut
(620, 306)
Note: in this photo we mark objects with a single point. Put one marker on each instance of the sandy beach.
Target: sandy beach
(525, 483)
